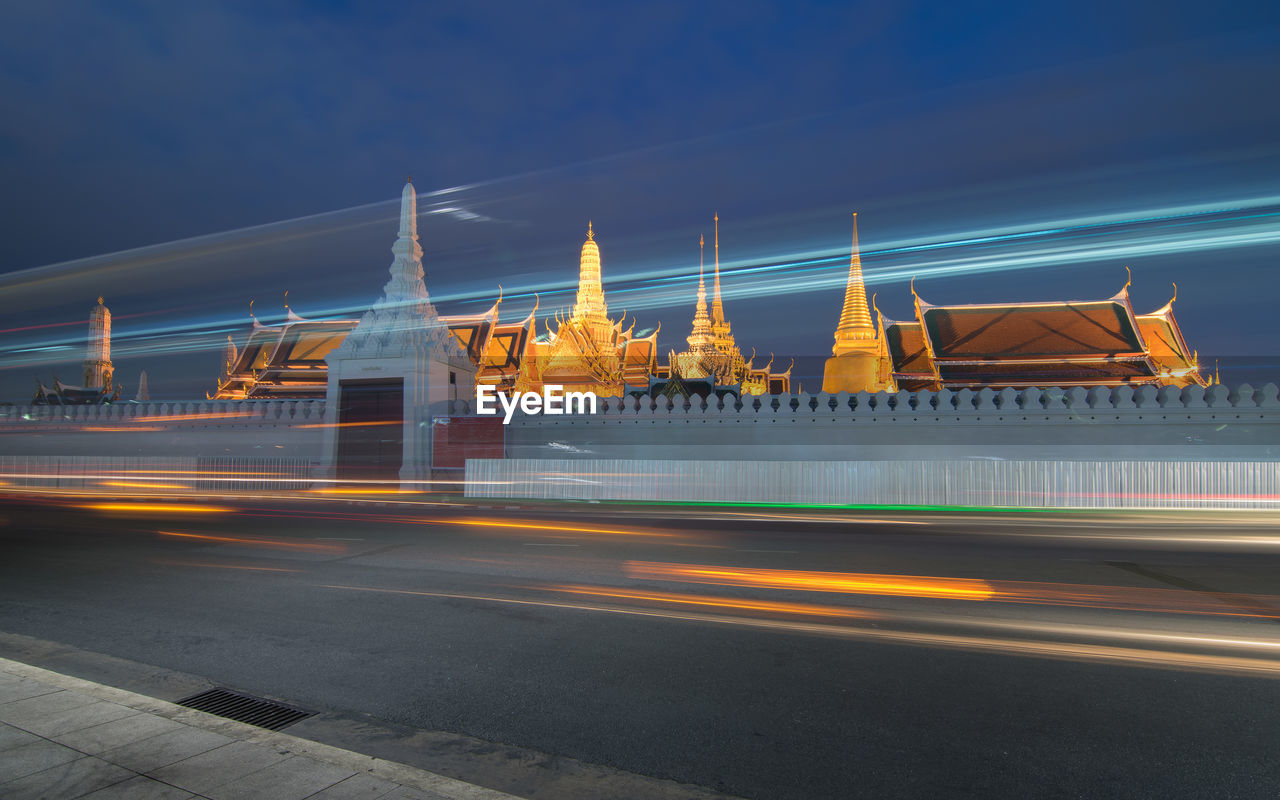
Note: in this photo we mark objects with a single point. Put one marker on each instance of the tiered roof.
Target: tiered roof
(1064, 343)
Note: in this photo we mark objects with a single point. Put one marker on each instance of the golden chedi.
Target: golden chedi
(857, 358)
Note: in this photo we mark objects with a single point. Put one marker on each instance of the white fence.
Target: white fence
(977, 483)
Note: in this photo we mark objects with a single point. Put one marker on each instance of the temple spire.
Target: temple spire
(406, 285)
(702, 284)
(855, 320)
(590, 306)
(717, 306)
(700, 338)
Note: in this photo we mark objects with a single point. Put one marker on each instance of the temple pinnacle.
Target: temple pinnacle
(717, 306)
(855, 320)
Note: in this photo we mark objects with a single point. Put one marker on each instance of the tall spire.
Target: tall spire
(406, 285)
(700, 339)
(730, 361)
(590, 306)
(855, 320)
(702, 284)
(97, 362)
(717, 306)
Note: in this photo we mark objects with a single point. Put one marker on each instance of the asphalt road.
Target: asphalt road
(1107, 656)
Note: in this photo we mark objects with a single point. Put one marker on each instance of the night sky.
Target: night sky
(183, 159)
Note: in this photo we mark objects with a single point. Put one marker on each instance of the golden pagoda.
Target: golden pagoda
(859, 361)
(725, 360)
(713, 358)
(697, 361)
(589, 351)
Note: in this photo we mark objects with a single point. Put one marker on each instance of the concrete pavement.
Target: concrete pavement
(63, 737)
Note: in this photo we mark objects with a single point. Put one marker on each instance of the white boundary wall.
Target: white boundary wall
(1122, 424)
(984, 483)
(287, 430)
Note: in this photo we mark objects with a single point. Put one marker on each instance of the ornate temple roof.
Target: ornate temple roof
(284, 361)
(912, 367)
(1063, 343)
(64, 394)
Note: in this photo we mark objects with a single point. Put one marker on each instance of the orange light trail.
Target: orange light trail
(201, 564)
(280, 544)
(841, 582)
(1133, 656)
(537, 526)
(143, 485)
(347, 424)
(197, 416)
(156, 508)
(353, 490)
(1120, 598)
(738, 604)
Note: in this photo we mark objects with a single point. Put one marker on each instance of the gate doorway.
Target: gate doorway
(370, 430)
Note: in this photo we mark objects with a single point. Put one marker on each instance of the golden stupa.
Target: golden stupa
(859, 360)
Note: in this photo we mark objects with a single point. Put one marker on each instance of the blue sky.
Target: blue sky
(130, 125)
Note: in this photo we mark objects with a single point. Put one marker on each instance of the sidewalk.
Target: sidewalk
(64, 738)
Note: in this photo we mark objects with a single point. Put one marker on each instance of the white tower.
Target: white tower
(400, 348)
(97, 362)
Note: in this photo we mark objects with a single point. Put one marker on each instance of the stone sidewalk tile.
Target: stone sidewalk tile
(408, 793)
(24, 688)
(357, 787)
(11, 737)
(33, 708)
(139, 788)
(155, 752)
(72, 779)
(177, 744)
(98, 739)
(73, 719)
(295, 778)
(204, 773)
(35, 757)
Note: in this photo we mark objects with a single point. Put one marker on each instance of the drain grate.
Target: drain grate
(246, 708)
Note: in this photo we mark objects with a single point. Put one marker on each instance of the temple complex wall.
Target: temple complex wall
(1020, 483)
(1147, 423)
(287, 430)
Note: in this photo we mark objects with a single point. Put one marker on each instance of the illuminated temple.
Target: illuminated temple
(1067, 343)
(712, 362)
(588, 350)
(859, 358)
(98, 386)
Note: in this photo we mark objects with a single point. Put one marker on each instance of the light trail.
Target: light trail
(157, 508)
(348, 424)
(738, 604)
(1034, 245)
(277, 544)
(1037, 627)
(840, 582)
(206, 565)
(557, 527)
(143, 485)
(1128, 656)
(338, 490)
(1121, 598)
